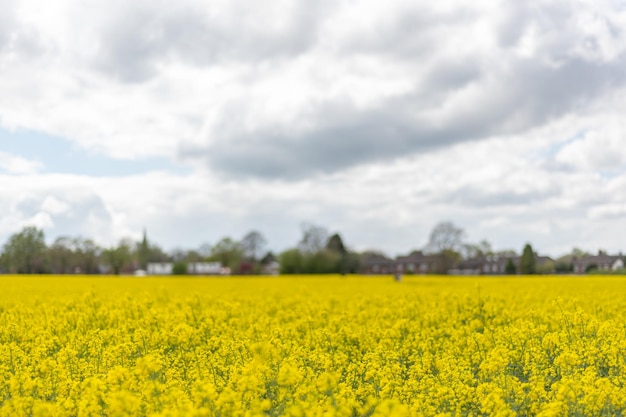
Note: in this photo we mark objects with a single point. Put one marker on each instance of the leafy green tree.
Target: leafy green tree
(563, 267)
(117, 257)
(186, 256)
(228, 252)
(143, 251)
(347, 262)
(87, 255)
(179, 268)
(73, 255)
(335, 245)
(62, 256)
(322, 262)
(25, 252)
(291, 261)
(548, 267)
(510, 268)
(527, 263)
(268, 258)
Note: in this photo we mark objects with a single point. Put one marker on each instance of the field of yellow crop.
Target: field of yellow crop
(312, 346)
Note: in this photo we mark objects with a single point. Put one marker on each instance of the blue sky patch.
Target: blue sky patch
(58, 155)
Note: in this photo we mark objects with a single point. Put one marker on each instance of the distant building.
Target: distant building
(414, 263)
(270, 268)
(193, 268)
(378, 264)
(600, 262)
(494, 264)
(160, 268)
(205, 268)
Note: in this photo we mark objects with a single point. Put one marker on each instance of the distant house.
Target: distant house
(414, 263)
(378, 264)
(270, 268)
(472, 266)
(205, 268)
(600, 262)
(160, 268)
(494, 264)
(193, 268)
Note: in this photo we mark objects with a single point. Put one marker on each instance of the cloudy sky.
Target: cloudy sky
(203, 119)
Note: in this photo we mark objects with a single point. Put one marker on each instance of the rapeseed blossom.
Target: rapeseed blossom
(312, 346)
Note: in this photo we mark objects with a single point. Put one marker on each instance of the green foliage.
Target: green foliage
(87, 255)
(322, 262)
(179, 268)
(228, 252)
(73, 255)
(143, 252)
(350, 263)
(447, 258)
(294, 261)
(61, 256)
(527, 261)
(563, 267)
(291, 262)
(335, 245)
(268, 258)
(117, 257)
(547, 267)
(25, 252)
(510, 268)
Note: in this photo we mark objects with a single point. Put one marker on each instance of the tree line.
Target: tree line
(317, 252)
(26, 252)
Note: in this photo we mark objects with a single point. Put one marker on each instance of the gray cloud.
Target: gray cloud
(463, 78)
(17, 40)
(139, 37)
(479, 197)
(7, 23)
(514, 94)
(524, 96)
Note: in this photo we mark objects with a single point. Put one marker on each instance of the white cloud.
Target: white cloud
(611, 211)
(14, 164)
(599, 149)
(55, 206)
(502, 189)
(229, 79)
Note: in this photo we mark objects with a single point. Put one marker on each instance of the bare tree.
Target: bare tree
(314, 238)
(253, 245)
(445, 237)
(472, 250)
(446, 240)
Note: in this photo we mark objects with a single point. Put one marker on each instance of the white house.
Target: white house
(160, 268)
(205, 268)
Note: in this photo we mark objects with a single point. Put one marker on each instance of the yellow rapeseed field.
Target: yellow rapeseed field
(312, 346)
